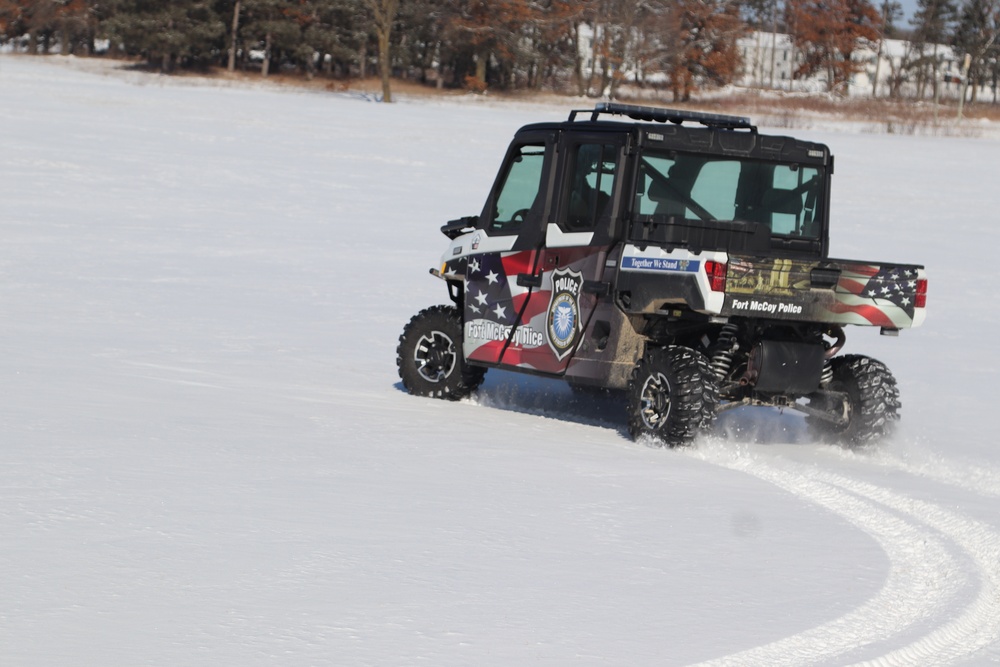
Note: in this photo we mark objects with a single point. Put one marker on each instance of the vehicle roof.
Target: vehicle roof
(693, 131)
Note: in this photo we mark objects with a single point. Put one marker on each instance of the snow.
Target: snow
(207, 457)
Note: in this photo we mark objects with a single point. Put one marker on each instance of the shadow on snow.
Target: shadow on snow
(555, 399)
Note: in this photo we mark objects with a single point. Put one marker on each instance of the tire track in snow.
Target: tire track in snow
(981, 479)
(978, 625)
(920, 540)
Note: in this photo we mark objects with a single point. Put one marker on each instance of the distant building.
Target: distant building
(770, 60)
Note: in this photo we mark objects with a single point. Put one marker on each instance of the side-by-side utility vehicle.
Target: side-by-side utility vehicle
(679, 256)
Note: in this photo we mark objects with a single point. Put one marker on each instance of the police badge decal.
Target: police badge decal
(564, 311)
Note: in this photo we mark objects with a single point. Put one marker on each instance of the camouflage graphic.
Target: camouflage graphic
(866, 294)
(777, 277)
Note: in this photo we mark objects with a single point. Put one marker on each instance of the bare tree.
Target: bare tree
(383, 16)
(891, 12)
(232, 37)
(828, 33)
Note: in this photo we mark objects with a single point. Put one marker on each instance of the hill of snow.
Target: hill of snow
(207, 457)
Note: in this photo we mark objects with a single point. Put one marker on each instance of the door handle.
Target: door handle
(596, 287)
(824, 278)
(529, 280)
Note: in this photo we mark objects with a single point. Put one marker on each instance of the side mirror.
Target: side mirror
(455, 228)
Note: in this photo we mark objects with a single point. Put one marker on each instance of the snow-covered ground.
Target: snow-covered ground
(206, 457)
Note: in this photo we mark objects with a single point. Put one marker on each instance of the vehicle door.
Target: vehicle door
(506, 246)
(565, 278)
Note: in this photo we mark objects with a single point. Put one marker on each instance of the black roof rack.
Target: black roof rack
(661, 115)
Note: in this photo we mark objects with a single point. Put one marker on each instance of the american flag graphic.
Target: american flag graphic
(492, 304)
(877, 293)
(489, 297)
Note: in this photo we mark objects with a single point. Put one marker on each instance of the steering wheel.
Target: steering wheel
(519, 216)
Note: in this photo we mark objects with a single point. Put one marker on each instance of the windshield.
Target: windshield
(783, 197)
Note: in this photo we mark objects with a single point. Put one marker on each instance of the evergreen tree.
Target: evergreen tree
(14, 17)
(976, 34)
(482, 32)
(338, 34)
(932, 27)
(269, 28)
(189, 32)
(420, 41)
(70, 23)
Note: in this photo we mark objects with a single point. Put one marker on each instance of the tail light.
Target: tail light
(921, 299)
(716, 275)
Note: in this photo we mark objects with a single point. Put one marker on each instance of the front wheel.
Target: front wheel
(870, 405)
(672, 396)
(429, 356)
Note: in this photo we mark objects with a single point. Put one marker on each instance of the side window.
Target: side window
(520, 189)
(591, 180)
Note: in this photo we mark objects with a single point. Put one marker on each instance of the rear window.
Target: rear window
(784, 197)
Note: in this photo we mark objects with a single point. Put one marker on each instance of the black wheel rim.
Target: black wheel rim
(435, 356)
(842, 406)
(655, 401)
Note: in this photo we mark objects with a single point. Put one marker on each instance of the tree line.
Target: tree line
(583, 47)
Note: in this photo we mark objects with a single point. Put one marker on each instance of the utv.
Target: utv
(679, 256)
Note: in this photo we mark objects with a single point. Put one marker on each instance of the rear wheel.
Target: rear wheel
(672, 396)
(429, 356)
(870, 405)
